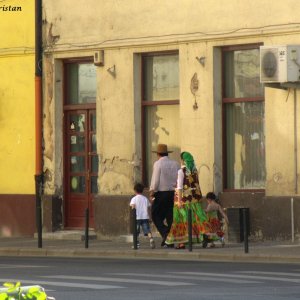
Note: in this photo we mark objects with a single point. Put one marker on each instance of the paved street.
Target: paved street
(78, 278)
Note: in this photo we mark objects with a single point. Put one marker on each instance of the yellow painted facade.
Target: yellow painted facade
(17, 132)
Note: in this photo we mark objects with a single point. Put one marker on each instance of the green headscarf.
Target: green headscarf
(188, 161)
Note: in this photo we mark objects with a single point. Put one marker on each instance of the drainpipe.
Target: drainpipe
(295, 144)
(38, 119)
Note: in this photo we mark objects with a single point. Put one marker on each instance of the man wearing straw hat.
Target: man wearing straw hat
(162, 188)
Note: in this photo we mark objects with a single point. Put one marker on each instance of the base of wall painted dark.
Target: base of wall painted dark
(17, 215)
(112, 215)
(270, 216)
(52, 213)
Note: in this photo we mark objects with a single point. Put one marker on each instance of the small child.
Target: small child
(213, 211)
(142, 206)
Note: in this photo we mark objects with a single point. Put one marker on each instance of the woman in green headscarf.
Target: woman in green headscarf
(188, 193)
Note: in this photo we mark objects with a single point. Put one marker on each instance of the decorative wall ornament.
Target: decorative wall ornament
(112, 70)
(201, 60)
(194, 88)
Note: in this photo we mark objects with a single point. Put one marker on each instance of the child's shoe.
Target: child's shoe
(152, 243)
(137, 244)
(205, 241)
(222, 242)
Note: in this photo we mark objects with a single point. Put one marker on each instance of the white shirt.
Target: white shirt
(141, 204)
(180, 179)
(164, 175)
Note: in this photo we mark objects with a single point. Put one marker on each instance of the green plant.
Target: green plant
(17, 292)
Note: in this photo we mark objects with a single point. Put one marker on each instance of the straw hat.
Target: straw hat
(162, 148)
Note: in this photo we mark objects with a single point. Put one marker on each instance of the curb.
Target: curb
(146, 254)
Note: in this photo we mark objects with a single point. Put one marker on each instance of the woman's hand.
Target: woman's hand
(180, 204)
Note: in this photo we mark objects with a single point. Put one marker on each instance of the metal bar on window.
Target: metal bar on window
(160, 53)
(238, 100)
(80, 106)
(241, 47)
(152, 103)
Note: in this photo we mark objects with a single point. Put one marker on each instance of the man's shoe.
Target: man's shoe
(168, 246)
(163, 242)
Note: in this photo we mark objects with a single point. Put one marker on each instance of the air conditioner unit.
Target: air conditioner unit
(99, 58)
(279, 64)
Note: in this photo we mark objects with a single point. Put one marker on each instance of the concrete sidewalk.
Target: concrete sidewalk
(279, 252)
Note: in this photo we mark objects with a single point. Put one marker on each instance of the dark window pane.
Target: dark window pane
(81, 83)
(94, 163)
(161, 77)
(77, 123)
(77, 143)
(242, 74)
(93, 122)
(161, 126)
(94, 185)
(77, 164)
(94, 143)
(245, 145)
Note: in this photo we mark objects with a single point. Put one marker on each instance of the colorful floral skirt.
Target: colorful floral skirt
(216, 232)
(179, 229)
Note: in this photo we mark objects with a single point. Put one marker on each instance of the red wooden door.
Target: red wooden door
(81, 166)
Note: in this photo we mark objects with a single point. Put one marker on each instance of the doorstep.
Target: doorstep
(72, 235)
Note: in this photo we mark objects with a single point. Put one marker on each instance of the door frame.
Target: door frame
(88, 108)
(68, 108)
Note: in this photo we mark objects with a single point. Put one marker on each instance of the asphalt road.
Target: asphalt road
(153, 279)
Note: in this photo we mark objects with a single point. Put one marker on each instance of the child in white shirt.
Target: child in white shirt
(142, 206)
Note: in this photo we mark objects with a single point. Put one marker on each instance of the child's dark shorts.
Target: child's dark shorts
(144, 223)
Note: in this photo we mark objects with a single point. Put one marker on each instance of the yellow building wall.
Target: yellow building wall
(17, 129)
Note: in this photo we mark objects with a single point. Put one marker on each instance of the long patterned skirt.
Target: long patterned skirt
(179, 229)
(216, 231)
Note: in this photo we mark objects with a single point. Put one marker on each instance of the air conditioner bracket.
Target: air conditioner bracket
(283, 86)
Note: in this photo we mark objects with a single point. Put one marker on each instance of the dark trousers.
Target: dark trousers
(162, 209)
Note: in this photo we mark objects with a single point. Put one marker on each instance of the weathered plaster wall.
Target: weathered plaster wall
(49, 125)
(117, 29)
(102, 23)
(279, 131)
(116, 123)
(280, 142)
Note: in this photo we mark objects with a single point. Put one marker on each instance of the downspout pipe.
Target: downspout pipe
(38, 119)
(295, 144)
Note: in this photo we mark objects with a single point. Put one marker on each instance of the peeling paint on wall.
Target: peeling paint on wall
(48, 110)
(117, 175)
